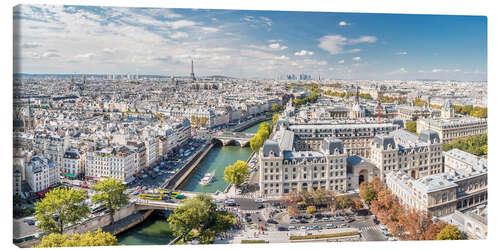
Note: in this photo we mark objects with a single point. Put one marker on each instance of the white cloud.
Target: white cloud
(353, 51)
(277, 46)
(85, 56)
(356, 58)
(398, 71)
(178, 35)
(304, 53)
(332, 43)
(283, 57)
(436, 70)
(335, 43)
(344, 23)
(363, 39)
(402, 53)
(181, 24)
(341, 61)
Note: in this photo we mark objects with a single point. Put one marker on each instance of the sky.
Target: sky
(245, 43)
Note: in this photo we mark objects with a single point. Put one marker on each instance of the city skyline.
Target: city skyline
(244, 43)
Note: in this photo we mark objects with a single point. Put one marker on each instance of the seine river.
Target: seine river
(155, 230)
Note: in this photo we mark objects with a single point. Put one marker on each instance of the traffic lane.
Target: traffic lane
(353, 224)
(247, 204)
(22, 228)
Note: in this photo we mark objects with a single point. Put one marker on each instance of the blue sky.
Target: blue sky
(68, 39)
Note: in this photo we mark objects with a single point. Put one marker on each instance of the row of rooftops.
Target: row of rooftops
(455, 122)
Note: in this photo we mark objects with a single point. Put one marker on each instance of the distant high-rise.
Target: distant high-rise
(192, 71)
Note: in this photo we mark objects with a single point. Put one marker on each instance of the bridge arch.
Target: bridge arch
(217, 142)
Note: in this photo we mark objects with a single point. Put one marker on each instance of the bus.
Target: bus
(168, 193)
(153, 196)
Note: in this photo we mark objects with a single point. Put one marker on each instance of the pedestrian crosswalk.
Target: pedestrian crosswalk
(369, 228)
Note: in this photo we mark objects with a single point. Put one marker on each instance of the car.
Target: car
(238, 191)
(259, 206)
(271, 221)
(329, 226)
(383, 228)
(292, 221)
(343, 225)
(335, 219)
(325, 219)
(303, 221)
(259, 200)
(303, 227)
(276, 204)
(315, 221)
(248, 219)
(282, 229)
(292, 227)
(30, 222)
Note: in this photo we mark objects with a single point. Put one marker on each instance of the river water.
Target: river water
(155, 230)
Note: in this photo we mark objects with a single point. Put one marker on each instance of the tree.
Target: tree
(275, 108)
(89, 239)
(343, 202)
(275, 119)
(256, 143)
(59, 208)
(356, 203)
(198, 214)
(367, 192)
(415, 224)
(111, 192)
(434, 229)
(311, 210)
(411, 126)
(236, 173)
(293, 210)
(265, 127)
(449, 232)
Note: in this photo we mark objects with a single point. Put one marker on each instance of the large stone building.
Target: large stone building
(42, 173)
(73, 164)
(356, 137)
(454, 128)
(111, 162)
(413, 113)
(417, 156)
(285, 167)
(461, 187)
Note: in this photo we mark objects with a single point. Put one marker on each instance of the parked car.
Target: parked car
(292, 227)
(271, 221)
(259, 200)
(315, 221)
(329, 226)
(282, 229)
(325, 219)
(303, 227)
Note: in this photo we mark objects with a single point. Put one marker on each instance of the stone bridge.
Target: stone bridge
(141, 204)
(233, 138)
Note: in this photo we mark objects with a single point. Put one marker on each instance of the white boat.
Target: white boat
(207, 179)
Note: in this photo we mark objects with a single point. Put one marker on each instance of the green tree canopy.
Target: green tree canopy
(59, 208)
(236, 173)
(311, 210)
(89, 239)
(449, 232)
(198, 214)
(256, 143)
(111, 192)
(276, 108)
(275, 119)
(411, 126)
